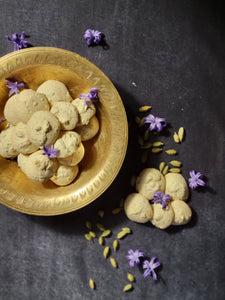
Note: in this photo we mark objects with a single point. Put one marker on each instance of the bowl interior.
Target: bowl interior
(104, 153)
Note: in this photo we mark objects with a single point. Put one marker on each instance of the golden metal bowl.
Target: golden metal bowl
(104, 153)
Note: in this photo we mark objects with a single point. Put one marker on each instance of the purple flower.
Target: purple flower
(18, 41)
(194, 180)
(50, 152)
(14, 87)
(156, 123)
(92, 95)
(1, 121)
(150, 266)
(134, 257)
(161, 198)
(93, 37)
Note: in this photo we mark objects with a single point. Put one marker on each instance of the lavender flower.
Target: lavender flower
(1, 121)
(150, 266)
(50, 152)
(93, 37)
(134, 257)
(92, 95)
(161, 198)
(194, 180)
(156, 123)
(14, 87)
(18, 40)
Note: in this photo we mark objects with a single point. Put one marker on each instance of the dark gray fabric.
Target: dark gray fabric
(174, 53)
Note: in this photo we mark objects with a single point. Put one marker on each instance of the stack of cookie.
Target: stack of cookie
(48, 117)
(139, 208)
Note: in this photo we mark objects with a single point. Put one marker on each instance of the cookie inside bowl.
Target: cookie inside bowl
(104, 153)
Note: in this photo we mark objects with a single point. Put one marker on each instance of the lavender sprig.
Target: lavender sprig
(18, 41)
(155, 123)
(194, 180)
(134, 257)
(50, 152)
(14, 87)
(150, 267)
(93, 37)
(92, 95)
(161, 198)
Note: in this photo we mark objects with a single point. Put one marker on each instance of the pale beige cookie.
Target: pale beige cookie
(20, 140)
(20, 107)
(85, 112)
(7, 149)
(66, 113)
(55, 91)
(43, 128)
(22, 160)
(162, 218)
(65, 175)
(176, 186)
(37, 166)
(67, 143)
(149, 181)
(182, 212)
(87, 132)
(137, 208)
(74, 158)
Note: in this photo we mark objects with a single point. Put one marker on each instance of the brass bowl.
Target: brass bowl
(104, 153)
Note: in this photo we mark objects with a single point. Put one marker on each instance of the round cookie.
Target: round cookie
(137, 208)
(65, 175)
(66, 113)
(176, 186)
(74, 158)
(55, 91)
(22, 160)
(7, 149)
(149, 181)
(43, 128)
(85, 112)
(67, 143)
(20, 107)
(87, 132)
(162, 218)
(182, 212)
(20, 140)
(37, 166)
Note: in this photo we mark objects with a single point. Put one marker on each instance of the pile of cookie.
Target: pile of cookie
(48, 117)
(139, 208)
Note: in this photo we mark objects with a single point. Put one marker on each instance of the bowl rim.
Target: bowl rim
(75, 62)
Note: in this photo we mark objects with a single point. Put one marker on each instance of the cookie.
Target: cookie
(66, 113)
(20, 107)
(162, 218)
(43, 128)
(74, 158)
(182, 212)
(55, 91)
(85, 112)
(176, 186)
(7, 149)
(65, 175)
(149, 181)
(37, 166)
(67, 143)
(137, 208)
(20, 140)
(87, 132)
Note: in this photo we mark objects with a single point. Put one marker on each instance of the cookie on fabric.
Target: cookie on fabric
(149, 181)
(137, 208)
